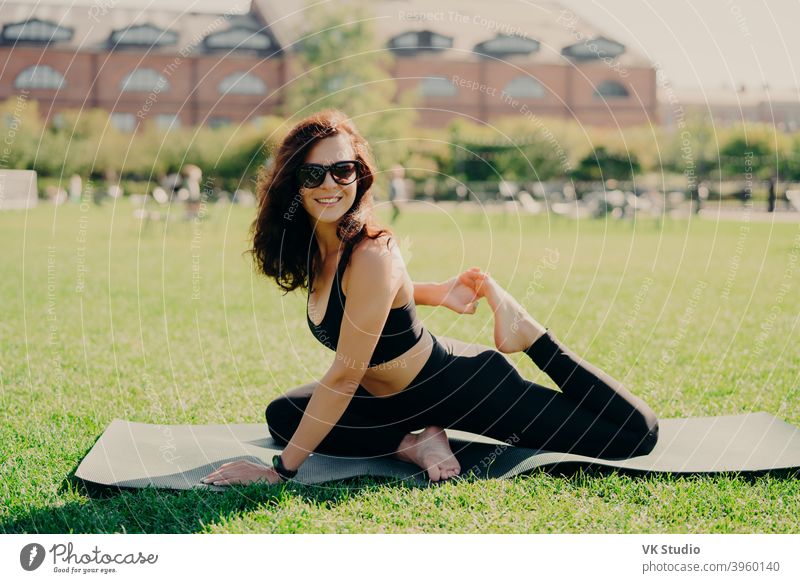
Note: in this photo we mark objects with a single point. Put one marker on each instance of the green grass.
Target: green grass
(695, 317)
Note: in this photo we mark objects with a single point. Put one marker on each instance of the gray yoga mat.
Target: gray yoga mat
(137, 455)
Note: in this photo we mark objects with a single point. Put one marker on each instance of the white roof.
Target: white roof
(468, 22)
(92, 24)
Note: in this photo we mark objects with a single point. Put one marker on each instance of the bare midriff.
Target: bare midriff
(391, 377)
(388, 378)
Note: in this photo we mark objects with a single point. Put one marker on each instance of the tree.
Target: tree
(601, 165)
(790, 167)
(20, 128)
(743, 155)
(343, 66)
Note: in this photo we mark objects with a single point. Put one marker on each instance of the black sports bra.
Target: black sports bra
(401, 331)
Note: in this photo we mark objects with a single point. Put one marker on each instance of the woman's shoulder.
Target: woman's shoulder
(380, 259)
(383, 244)
(381, 254)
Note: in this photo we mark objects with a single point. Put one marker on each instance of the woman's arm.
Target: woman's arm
(326, 406)
(428, 293)
(458, 293)
(375, 278)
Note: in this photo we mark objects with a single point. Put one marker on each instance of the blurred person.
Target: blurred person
(192, 175)
(397, 190)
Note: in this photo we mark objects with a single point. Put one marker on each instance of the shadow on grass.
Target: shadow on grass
(149, 510)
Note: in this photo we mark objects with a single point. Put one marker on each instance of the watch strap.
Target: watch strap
(282, 471)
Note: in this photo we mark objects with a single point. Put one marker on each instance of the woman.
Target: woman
(390, 376)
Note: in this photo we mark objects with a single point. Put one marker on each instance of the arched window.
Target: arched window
(525, 87)
(219, 121)
(598, 47)
(507, 45)
(238, 38)
(167, 121)
(144, 80)
(242, 83)
(437, 87)
(610, 90)
(420, 40)
(39, 77)
(143, 35)
(35, 30)
(124, 122)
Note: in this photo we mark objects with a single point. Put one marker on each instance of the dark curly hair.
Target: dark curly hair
(284, 245)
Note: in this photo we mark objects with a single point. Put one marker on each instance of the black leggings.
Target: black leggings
(483, 393)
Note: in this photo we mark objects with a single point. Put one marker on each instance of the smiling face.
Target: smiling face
(329, 201)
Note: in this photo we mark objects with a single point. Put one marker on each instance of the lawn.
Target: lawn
(103, 316)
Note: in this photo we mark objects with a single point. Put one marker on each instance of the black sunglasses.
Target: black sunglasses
(342, 172)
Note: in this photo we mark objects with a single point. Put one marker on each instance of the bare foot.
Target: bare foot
(514, 328)
(431, 451)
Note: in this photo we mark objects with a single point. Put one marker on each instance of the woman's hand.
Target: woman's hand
(460, 293)
(242, 472)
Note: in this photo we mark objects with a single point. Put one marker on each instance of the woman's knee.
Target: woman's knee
(501, 368)
(496, 360)
(282, 415)
(649, 438)
(637, 437)
(643, 427)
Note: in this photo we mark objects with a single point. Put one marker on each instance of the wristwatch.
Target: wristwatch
(277, 463)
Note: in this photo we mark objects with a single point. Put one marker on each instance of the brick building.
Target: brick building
(480, 60)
